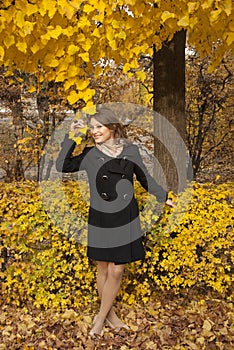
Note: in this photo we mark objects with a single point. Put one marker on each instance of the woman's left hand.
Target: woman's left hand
(170, 203)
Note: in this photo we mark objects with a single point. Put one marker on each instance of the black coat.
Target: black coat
(114, 232)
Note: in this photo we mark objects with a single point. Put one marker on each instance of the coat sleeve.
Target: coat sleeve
(65, 162)
(146, 180)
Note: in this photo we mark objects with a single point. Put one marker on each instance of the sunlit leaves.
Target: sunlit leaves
(87, 32)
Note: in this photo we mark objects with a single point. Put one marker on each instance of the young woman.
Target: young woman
(114, 233)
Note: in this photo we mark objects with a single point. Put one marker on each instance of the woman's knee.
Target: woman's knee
(102, 267)
(115, 271)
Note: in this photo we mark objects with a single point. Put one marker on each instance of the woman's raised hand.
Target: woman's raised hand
(170, 203)
(76, 125)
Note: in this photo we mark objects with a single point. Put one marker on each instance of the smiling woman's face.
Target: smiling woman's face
(100, 132)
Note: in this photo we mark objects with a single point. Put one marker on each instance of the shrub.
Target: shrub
(43, 250)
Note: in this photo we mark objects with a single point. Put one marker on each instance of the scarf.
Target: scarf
(111, 150)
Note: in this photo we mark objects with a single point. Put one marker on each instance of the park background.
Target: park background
(58, 57)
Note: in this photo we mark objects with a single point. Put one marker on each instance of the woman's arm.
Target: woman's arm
(65, 162)
(147, 181)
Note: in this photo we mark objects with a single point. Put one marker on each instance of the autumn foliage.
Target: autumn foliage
(60, 52)
(47, 265)
(72, 42)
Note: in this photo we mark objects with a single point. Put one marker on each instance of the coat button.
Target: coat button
(102, 159)
(104, 177)
(123, 176)
(126, 196)
(105, 196)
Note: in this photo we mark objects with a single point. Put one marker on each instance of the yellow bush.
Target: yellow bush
(43, 251)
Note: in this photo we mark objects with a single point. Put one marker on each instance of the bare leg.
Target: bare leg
(102, 273)
(109, 292)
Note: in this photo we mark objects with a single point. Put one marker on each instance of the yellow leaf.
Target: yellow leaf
(27, 28)
(72, 49)
(68, 83)
(166, 15)
(96, 33)
(89, 103)
(8, 73)
(126, 67)
(73, 97)
(60, 52)
(207, 4)
(84, 129)
(81, 38)
(29, 9)
(115, 24)
(68, 9)
(102, 6)
(88, 8)
(214, 15)
(121, 35)
(54, 33)
(110, 34)
(19, 19)
(61, 76)
(88, 94)
(207, 325)
(230, 38)
(192, 6)
(87, 44)
(11, 82)
(32, 88)
(73, 71)
(82, 84)
(51, 61)
(69, 314)
(89, 110)
(84, 56)
(141, 75)
(22, 46)
(1, 53)
(9, 40)
(184, 21)
(78, 140)
(49, 6)
(35, 47)
(69, 31)
(231, 26)
(83, 22)
(113, 44)
(227, 5)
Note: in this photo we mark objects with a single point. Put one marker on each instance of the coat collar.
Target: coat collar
(114, 165)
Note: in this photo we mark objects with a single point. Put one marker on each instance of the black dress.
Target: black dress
(114, 232)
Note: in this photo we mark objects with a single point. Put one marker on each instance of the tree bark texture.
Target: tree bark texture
(170, 121)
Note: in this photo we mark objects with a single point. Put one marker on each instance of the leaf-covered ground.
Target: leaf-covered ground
(190, 321)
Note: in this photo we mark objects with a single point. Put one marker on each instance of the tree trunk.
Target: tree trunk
(170, 121)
